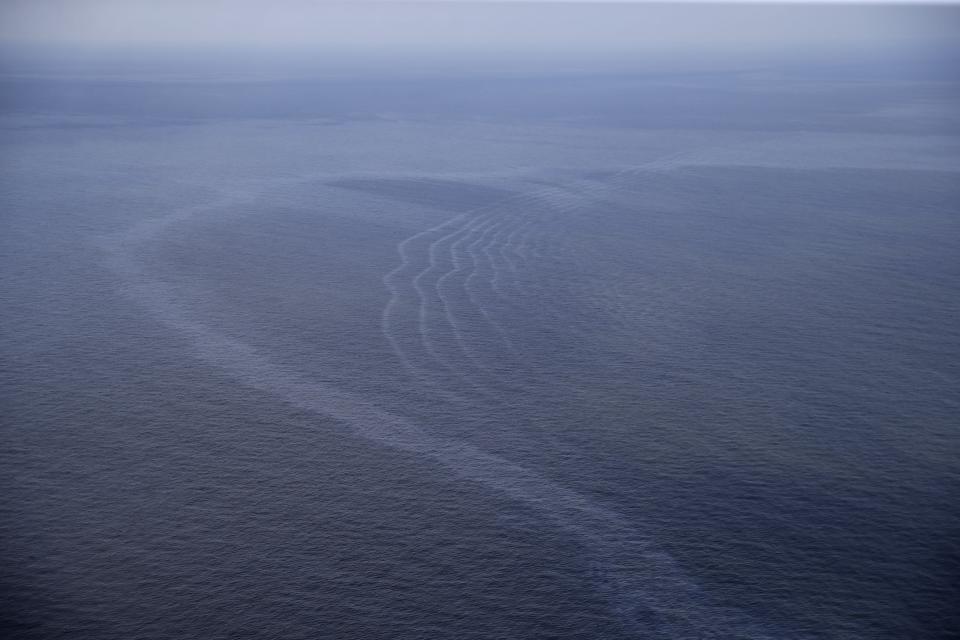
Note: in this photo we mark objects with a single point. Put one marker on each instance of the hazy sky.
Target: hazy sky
(450, 25)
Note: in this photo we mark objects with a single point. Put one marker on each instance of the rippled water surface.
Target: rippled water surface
(655, 374)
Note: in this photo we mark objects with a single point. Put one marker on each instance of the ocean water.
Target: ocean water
(605, 356)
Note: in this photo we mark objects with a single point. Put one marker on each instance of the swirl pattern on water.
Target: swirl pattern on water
(647, 588)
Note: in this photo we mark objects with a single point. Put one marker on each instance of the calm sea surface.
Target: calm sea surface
(595, 357)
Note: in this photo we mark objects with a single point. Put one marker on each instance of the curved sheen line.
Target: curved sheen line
(645, 585)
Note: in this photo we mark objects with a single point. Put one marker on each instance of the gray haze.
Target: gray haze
(479, 321)
(451, 27)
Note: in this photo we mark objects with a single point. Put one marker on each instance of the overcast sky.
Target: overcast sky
(449, 25)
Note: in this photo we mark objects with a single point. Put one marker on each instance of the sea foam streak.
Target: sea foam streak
(647, 588)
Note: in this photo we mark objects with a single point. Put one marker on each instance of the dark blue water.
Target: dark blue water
(593, 357)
